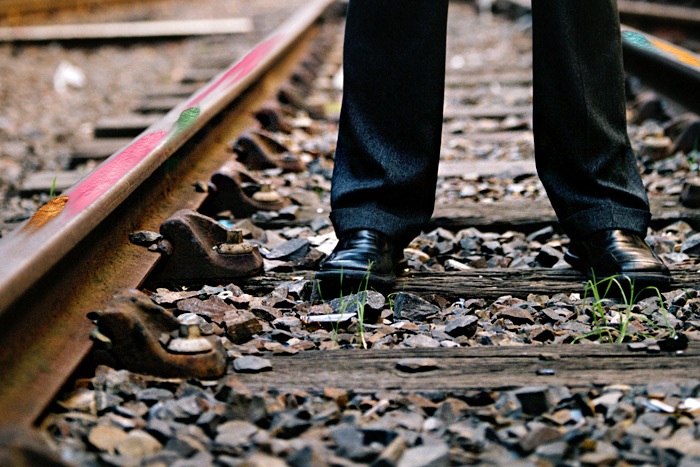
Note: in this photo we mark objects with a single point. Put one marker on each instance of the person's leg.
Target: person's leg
(390, 124)
(383, 188)
(582, 149)
(583, 152)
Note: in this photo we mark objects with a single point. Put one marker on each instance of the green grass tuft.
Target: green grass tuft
(53, 188)
(605, 330)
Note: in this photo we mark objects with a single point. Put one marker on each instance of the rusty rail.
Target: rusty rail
(668, 68)
(74, 255)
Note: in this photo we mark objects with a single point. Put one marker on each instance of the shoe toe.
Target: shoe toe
(361, 256)
(613, 252)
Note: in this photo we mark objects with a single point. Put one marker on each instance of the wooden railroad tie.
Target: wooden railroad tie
(459, 369)
(488, 283)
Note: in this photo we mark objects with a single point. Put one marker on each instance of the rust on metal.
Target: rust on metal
(252, 152)
(228, 193)
(98, 193)
(138, 335)
(204, 249)
(270, 117)
(75, 263)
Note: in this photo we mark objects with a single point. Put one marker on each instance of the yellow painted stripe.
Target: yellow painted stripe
(682, 55)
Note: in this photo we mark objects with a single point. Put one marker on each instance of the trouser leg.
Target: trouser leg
(583, 153)
(390, 124)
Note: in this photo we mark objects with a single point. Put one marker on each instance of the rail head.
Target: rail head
(30, 251)
(668, 68)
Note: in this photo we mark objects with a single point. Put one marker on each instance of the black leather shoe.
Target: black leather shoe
(361, 257)
(618, 253)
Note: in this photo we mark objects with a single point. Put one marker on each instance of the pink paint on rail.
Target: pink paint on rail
(240, 70)
(109, 173)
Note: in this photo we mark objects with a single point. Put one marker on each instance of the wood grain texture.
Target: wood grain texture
(481, 283)
(476, 368)
(529, 215)
(125, 30)
(525, 215)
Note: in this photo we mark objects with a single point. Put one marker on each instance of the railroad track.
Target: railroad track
(47, 279)
(174, 157)
(657, 14)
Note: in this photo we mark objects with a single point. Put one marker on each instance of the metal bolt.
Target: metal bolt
(190, 331)
(234, 236)
(267, 194)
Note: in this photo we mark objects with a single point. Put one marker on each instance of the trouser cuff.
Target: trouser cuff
(585, 223)
(399, 229)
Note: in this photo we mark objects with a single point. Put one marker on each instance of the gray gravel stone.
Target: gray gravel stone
(691, 245)
(145, 237)
(235, 433)
(517, 315)
(462, 326)
(413, 308)
(137, 444)
(290, 250)
(420, 341)
(251, 364)
(426, 456)
(533, 399)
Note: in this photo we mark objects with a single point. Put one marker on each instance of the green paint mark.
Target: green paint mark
(186, 119)
(188, 116)
(637, 39)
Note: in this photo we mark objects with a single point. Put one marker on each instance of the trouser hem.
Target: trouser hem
(372, 217)
(585, 223)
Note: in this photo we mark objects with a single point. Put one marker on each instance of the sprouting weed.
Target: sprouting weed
(53, 188)
(359, 302)
(361, 306)
(391, 296)
(603, 329)
(693, 156)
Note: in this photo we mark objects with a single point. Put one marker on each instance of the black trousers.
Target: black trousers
(388, 149)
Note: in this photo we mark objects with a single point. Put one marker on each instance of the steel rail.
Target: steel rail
(56, 269)
(669, 69)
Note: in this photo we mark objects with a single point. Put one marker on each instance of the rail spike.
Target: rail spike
(140, 335)
(258, 153)
(228, 193)
(203, 249)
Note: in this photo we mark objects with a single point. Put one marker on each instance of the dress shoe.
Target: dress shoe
(622, 253)
(362, 258)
